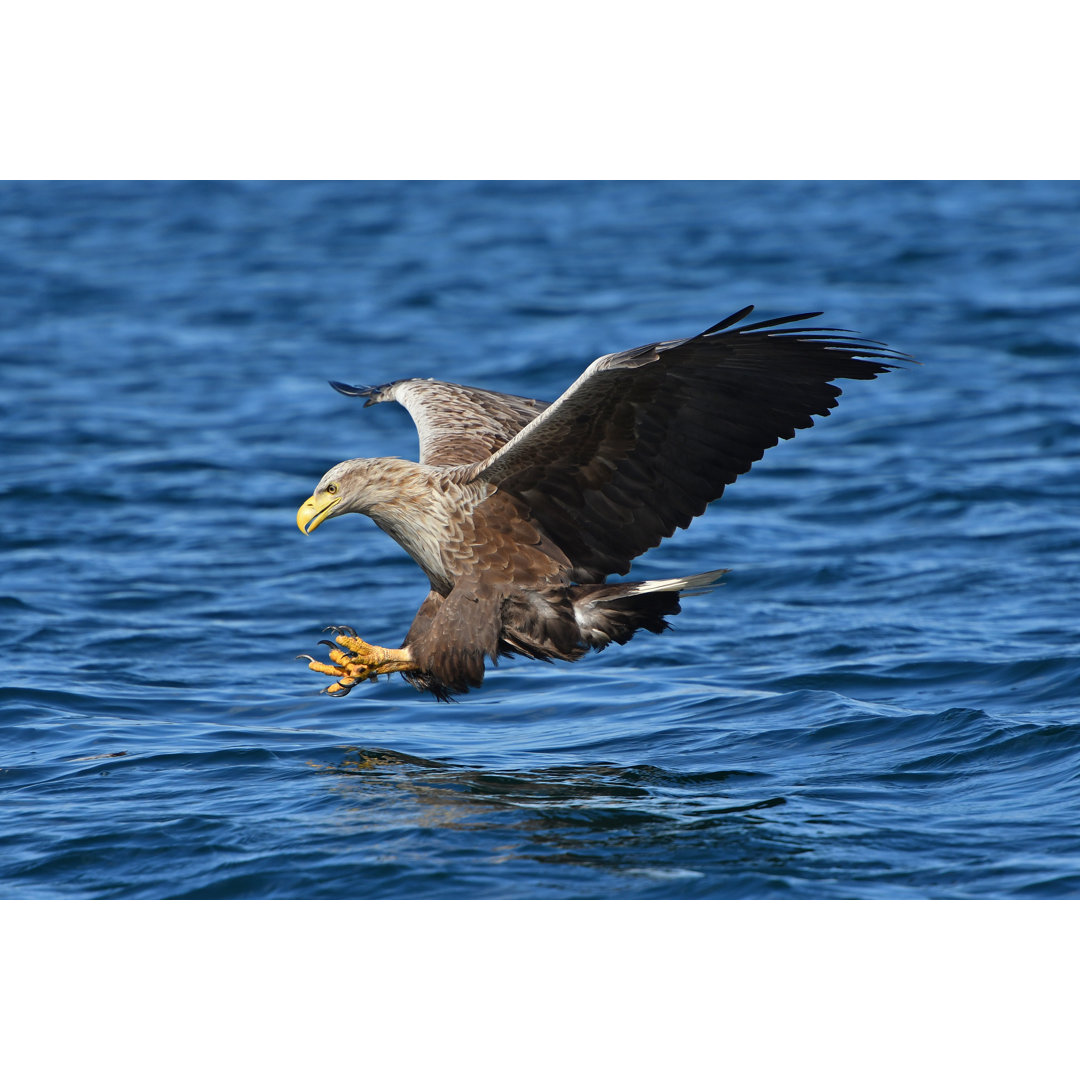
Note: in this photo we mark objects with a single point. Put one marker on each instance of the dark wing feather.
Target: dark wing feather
(647, 438)
(457, 425)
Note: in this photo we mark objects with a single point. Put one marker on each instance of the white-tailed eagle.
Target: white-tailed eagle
(519, 510)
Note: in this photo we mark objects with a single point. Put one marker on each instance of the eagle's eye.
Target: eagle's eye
(331, 489)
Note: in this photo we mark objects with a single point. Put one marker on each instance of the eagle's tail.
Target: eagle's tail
(614, 613)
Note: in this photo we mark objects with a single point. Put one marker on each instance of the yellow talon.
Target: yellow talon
(324, 669)
(356, 645)
(358, 661)
(342, 686)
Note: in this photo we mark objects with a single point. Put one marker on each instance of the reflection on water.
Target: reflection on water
(625, 819)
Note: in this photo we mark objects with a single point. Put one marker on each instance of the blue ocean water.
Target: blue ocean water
(881, 702)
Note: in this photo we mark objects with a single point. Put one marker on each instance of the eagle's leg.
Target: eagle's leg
(357, 661)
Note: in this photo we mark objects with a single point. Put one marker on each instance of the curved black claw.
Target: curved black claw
(341, 691)
(304, 656)
(339, 630)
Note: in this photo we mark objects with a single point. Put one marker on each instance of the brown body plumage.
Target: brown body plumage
(519, 510)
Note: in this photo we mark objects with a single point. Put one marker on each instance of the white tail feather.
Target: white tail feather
(692, 585)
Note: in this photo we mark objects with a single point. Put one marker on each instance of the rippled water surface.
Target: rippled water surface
(881, 701)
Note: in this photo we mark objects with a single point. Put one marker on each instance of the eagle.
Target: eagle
(519, 510)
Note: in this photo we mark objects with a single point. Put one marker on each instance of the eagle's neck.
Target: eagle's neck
(416, 506)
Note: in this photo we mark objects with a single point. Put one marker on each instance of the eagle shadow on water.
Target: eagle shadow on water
(520, 509)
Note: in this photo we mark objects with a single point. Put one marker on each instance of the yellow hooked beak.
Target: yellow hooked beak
(315, 511)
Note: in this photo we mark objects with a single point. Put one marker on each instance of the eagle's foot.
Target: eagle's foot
(358, 661)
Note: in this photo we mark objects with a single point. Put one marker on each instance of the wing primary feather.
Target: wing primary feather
(731, 320)
(783, 319)
(368, 392)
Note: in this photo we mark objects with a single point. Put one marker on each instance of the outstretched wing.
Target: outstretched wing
(647, 438)
(457, 425)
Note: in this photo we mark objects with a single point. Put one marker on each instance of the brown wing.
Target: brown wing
(647, 438)
(457, 425)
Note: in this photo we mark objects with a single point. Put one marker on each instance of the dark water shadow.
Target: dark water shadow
(563, 824)
(554, 786)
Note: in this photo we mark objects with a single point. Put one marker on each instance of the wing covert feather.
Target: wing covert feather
(457, 425)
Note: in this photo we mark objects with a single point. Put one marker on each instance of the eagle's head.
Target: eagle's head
(382, 488)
